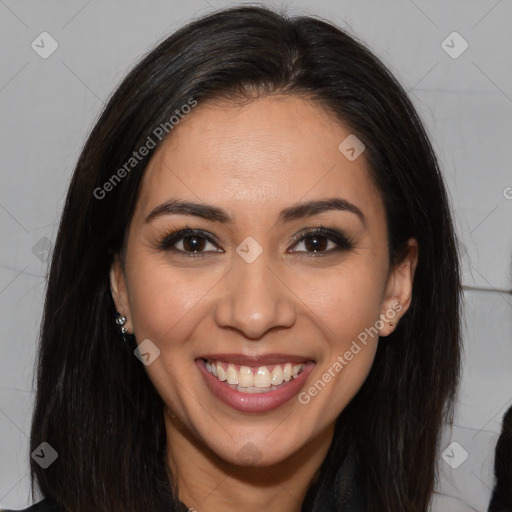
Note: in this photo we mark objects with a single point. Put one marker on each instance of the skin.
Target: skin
(253, 160)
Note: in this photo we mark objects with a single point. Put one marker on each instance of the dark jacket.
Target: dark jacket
(347, 489)
(501, 500)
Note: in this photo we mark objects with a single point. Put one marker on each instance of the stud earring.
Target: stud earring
(121, 320)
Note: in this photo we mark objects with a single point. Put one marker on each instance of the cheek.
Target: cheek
(163, 301)
(345, 302)
(165, 305)
(347, 309)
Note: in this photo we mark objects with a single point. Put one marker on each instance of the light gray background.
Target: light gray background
(49, 105)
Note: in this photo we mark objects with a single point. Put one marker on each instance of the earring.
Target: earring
(391, 324)
(121, 320)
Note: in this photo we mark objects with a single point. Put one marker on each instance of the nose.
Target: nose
(255, 299)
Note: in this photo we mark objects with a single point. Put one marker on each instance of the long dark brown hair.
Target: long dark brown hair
(95, 404)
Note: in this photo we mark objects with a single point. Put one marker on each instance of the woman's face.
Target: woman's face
(288, 317)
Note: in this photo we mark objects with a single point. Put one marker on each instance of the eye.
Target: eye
(314, 241)
(189, 242)
(322, 240)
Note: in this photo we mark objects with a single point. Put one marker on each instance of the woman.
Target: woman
(253, 301)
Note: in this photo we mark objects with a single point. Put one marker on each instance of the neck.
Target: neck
(208, 483)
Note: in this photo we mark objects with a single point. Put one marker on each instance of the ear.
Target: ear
(398, 293)
(119, 290)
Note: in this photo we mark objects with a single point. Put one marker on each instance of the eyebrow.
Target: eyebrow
(291, 213)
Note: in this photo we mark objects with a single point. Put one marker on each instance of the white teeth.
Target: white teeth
(262, 378)
(221, 374)
(232, 375)
(253, 389)
(245, 377)
(297, 369)
(251, 380)
(277, 375)
(287, 372)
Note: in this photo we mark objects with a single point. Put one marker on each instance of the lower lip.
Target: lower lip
(255, 402)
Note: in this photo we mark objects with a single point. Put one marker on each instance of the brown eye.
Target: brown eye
(193, 243)
(316, 243)
(322, 240)
(189, 242)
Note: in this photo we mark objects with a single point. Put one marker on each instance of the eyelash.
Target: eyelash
(343, 241)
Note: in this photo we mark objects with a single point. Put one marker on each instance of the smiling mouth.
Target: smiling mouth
(253, 379)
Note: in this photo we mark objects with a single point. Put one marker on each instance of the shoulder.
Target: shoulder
(46, 505)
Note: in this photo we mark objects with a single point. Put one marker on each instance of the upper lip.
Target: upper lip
(256, 360)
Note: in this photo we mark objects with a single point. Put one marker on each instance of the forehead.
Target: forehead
(271, 150)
